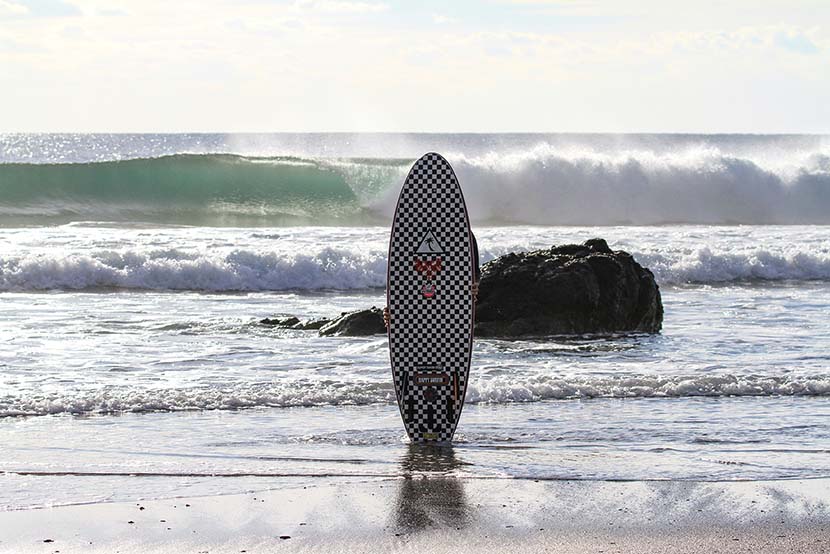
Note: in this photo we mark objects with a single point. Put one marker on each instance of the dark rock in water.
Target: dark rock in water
(571, 289)
(354, 324)
(280, 321)
(311, 324)
(598, 245)
(295, 323)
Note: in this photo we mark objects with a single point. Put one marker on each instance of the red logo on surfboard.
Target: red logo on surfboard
(428, 268)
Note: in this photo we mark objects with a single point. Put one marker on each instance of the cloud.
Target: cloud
(768, 38)
(439, 19)
(574, 7)
(38, 8)
(340, 6)
(563, 3)
(797, 42)
(12, 8)
(112, 12)
(347, 65)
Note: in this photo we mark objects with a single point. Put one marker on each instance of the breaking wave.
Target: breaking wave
(505, 390)
(497, 391)
(194, 189)
(544, 184)
(703, 265)
(344, 269)
(239, 270)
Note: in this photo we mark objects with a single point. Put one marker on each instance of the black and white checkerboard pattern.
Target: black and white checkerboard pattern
(434, 333)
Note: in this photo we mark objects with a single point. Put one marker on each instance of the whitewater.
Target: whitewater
(135, 271)
(89, 256)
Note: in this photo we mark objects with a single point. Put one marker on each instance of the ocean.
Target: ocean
(134, 271)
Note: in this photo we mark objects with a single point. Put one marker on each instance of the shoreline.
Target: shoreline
(444, 514)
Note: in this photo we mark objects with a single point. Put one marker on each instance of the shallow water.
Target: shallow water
(187, 384)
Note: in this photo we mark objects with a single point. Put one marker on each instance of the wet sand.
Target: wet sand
(446, 514)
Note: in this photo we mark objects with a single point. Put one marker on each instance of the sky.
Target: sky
(759, 66)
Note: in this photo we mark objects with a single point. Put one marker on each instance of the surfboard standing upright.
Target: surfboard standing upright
(430, 300)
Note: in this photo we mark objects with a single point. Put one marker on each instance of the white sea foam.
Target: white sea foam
(133, 399)
(342, 268)
(239, 270)
(703, 265)
(493, 391)
(503, 390)
(547, 185)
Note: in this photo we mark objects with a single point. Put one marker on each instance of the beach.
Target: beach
(441, 514)
(359, 276)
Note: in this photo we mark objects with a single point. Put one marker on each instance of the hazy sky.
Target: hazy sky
(397, 65)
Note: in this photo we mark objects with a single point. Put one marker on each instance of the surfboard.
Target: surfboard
(430, 300)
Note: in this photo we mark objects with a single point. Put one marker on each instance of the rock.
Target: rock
(295, 323)
(280, 321)
(311, 324)
(356, 324)
(571, 289)
(598, 245)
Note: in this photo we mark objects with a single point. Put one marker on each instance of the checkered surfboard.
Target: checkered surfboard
(430, 300)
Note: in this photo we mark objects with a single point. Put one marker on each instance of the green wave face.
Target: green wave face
(192, 189)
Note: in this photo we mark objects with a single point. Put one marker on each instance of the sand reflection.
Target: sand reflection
(430, 495)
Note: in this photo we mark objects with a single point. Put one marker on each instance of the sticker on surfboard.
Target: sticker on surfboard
(429, 245)
(428, 263)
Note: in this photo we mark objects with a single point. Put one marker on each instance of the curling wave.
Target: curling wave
(197, 189)
(545, 184)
